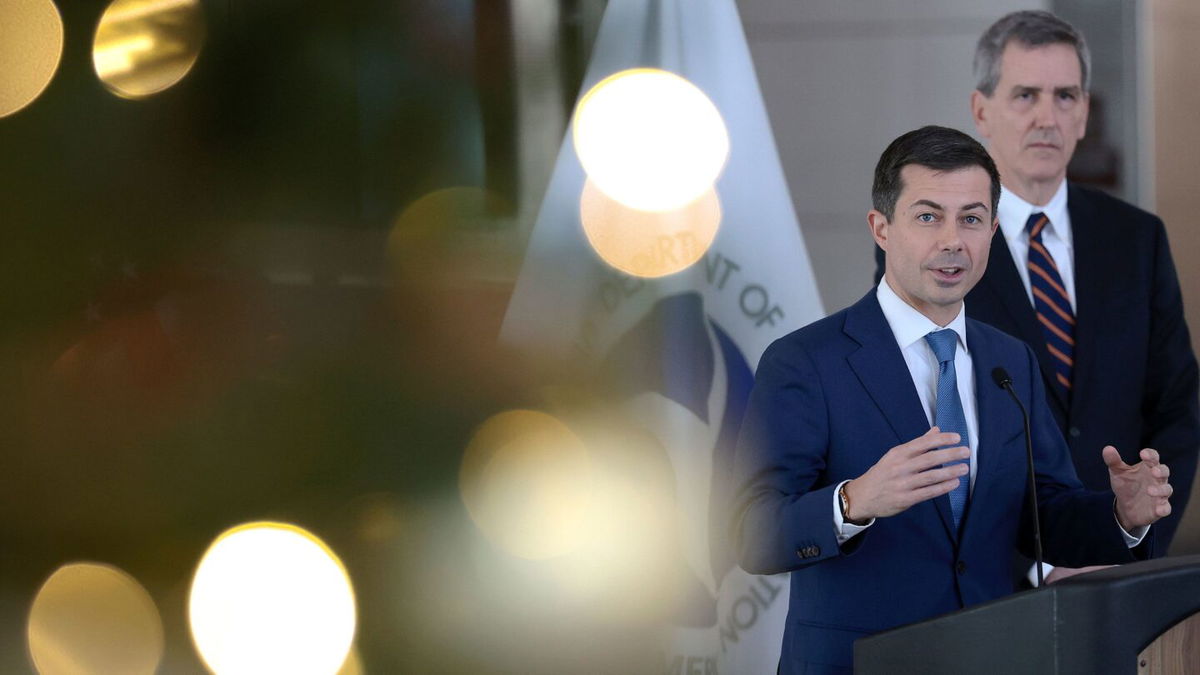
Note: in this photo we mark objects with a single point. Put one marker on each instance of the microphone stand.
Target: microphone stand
(1005, 382)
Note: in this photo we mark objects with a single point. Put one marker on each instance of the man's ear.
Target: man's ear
(879, 227)
(979, 113)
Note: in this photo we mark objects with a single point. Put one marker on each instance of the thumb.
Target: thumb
(1112, 458)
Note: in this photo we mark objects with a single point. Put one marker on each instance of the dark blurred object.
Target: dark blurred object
(1096, 161)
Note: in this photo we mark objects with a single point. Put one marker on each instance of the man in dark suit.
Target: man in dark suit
(1085, 279)
(880, 464)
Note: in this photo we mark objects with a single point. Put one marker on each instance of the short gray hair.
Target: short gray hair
(1031, 28)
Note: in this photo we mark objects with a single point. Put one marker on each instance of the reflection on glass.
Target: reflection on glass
(271, 598)
(31, 42)
(145, 46)
(92, 618)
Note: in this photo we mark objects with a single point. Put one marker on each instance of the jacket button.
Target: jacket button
(961, 567)
(816, 551)
(801, 554)
(1074, 431)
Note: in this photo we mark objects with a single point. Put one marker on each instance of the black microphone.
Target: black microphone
(1002, 380)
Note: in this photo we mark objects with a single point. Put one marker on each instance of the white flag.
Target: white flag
(686, 345)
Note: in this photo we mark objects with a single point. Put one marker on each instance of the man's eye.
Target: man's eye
(926, 218)
(1066, 96)
(972, 220)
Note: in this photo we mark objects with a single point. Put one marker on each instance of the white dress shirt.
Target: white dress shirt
(1014, 212)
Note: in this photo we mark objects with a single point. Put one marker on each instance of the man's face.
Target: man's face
(1036, 115)
(937, 241)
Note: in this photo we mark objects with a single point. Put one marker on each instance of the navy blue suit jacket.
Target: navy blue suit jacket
(1136, 381)
(829, 400)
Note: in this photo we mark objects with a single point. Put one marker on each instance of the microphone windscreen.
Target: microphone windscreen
(1000, 377)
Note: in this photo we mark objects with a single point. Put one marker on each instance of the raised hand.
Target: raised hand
(1142, 490)
(907, 474)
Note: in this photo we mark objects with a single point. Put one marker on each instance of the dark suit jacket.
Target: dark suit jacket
(1135, 379)
(829, 400)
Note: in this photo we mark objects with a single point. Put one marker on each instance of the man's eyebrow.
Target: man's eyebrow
(926, 202)
(976, 205)
(1031, 89)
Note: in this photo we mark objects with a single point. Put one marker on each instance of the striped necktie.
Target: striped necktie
(1051, 303)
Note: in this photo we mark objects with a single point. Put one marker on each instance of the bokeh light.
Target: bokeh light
(631, 562)
(421, 243)
(526, 482)
(648, 243)
(592, 503)
(353, 664)
(271, 598)
(31, 43)
(142, 47)
(93, 618)
(650, 139)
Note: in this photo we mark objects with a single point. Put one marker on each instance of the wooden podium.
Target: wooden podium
(1141, 618)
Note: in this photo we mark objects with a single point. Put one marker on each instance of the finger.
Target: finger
(1162, 510)
(934, 476)
(935, 458)
(936, 490)
(1161, 471)
(1112, 458)
(927, 442)
(1164, 490)
(1149, 455)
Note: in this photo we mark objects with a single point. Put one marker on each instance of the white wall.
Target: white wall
(841, 80)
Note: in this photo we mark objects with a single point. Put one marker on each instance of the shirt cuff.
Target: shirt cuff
(1132, 539)
(843, 529)
(1047, 568)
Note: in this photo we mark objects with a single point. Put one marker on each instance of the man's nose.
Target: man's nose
(950, 239)
(1043, 112)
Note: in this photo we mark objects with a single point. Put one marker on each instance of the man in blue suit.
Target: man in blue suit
(880, 464)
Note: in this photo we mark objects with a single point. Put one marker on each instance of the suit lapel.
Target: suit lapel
(1090, 236)
(881, 369)
(989, 402)
(1005, 283)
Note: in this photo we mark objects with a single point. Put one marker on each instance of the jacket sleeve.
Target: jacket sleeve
(1171, 398)
(782, 511)
(1078, 527)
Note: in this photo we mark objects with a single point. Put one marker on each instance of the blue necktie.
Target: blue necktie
(948, 411)
(1051, 303)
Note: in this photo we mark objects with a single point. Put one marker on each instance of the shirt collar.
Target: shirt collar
(1014, 212)
(908, 325)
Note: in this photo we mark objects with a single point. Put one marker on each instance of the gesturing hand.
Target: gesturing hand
(1142, 490)
(907, 474)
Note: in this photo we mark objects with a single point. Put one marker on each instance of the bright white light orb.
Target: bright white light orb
(271, 598)
(650, 139)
